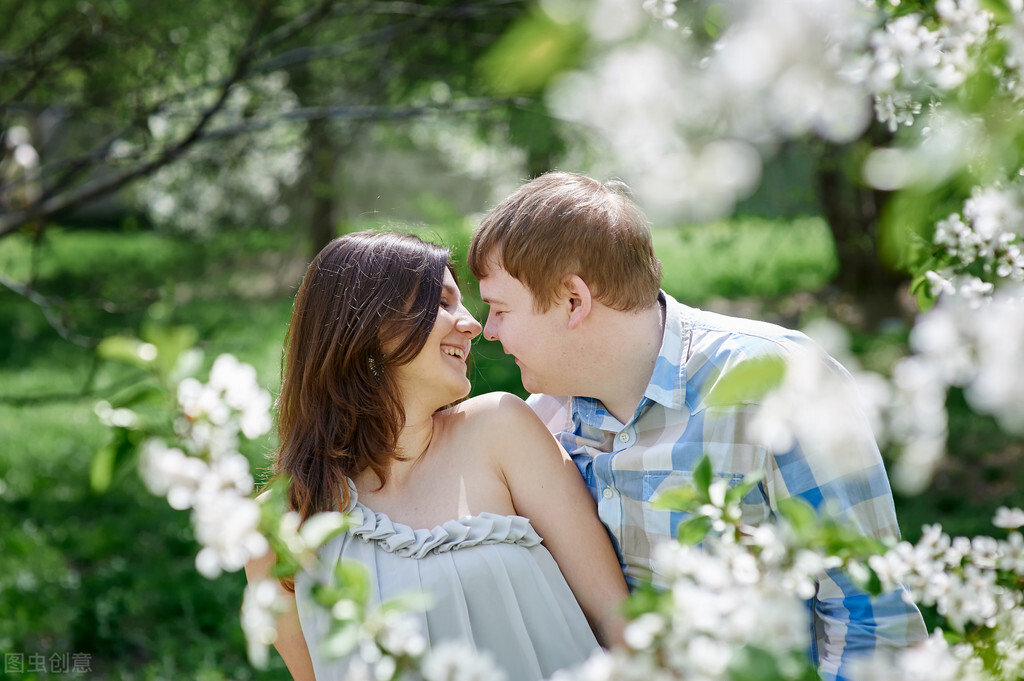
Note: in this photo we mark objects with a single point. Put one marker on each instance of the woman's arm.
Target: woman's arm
(547, 488)
(290, 643)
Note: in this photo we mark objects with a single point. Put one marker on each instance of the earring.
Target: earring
(373, 367)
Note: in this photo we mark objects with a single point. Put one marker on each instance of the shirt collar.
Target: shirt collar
(668, 380)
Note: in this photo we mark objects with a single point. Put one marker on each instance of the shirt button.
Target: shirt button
(607, 493)
(624, 436)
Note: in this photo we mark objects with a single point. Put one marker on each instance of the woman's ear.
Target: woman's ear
(577, 293)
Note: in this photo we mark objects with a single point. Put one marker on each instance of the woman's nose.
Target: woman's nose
(468, 324)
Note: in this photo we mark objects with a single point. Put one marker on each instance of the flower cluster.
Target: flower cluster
(960, 342)
(261, 606)
(975, 586)
(909, 61)
(982, 247)
(965, 341)
(689, 103)
(689, 119)
(208, 475)
(735, 606)
(723, 601)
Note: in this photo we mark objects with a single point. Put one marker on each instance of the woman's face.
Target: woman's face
(437, 375)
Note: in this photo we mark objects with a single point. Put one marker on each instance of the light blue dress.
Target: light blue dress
(493, 586)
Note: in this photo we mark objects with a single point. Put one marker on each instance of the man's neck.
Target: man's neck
(632, 343)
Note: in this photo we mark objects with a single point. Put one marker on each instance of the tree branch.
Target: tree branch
(103, 186)
(50, 313)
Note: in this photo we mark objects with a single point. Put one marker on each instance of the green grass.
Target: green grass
(112, 574)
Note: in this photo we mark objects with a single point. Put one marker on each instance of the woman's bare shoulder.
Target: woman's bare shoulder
(498, 421)
(499, 409)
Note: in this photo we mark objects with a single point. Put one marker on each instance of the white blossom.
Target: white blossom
(452, 661)
(227, 525)
(930, 660)
(169, 471)
(261, 605)
(1009, 518)
(118, 418)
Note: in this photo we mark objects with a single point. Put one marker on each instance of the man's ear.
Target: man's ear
(577, 294)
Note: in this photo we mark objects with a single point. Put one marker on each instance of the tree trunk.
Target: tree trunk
(322, 162)
(853, 212)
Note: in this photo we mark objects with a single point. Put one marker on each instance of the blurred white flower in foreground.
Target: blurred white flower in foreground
(688, 120)
(453, 661)
(965, 340)
(210, 476)
(1009, 518)
(930, 660)
(261, 605)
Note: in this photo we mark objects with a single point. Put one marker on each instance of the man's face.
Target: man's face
(538, 340)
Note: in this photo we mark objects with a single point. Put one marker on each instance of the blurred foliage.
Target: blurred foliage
(747, 256)
(113, 575)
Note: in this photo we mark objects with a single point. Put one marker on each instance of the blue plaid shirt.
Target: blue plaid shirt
(626, 465)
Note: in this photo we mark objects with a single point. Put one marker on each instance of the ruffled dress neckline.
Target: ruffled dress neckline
(472, 530)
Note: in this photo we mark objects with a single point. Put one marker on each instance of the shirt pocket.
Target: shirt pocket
(658, 482)
(661, 524)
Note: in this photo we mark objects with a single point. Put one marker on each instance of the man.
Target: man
(622, 373)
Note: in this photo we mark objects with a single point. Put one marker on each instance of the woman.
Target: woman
(377, 349)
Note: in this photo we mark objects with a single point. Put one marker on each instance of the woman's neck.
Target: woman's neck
(413, 443)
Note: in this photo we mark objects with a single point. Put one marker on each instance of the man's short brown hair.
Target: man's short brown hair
(561, 224)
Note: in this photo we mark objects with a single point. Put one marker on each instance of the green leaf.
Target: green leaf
(410, 601)
(643, 599)
(751, 663)
(864, 577)
(101, 471)
(1000, 9)
(748, 381)
(677, 499)
(715, 19)
(170, 342)
(342, 642)
(527, 57)
(354, 579)
(800, 514)
(111, 458)
(692, 532)
(138, 394)
(128, 350)
(702, 476)
(736, 493)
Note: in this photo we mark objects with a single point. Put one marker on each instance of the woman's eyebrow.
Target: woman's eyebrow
(452, 291)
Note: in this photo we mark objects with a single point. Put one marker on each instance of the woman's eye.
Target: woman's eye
(445, 304)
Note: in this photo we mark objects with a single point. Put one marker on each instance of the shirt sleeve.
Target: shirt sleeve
(850, 624)
(846, 480)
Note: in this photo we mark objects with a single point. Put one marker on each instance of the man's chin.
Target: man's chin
(530, 382)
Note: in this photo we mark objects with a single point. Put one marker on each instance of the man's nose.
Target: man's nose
(490, 328)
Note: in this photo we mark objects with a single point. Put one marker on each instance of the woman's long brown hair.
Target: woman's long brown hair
(340, 410)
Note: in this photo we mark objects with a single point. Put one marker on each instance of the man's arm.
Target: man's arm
(846, 479)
